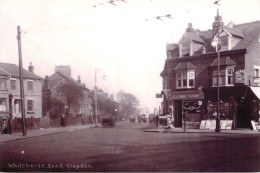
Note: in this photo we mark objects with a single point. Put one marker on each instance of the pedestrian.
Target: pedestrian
(62, 120)
(157, 120)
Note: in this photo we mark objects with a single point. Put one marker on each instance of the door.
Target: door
(178, 113)
(242, 116)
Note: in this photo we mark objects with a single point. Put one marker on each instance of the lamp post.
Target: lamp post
(215, 43)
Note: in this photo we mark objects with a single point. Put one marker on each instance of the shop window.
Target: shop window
(2, 105)
(226, 77)
(3, 84)
(185, 79)
(29, 105)
(30, 86)
(13, 84)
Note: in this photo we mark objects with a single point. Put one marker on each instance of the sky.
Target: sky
(124, 41)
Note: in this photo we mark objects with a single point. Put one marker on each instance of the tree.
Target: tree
(128, 104)
(70, 94)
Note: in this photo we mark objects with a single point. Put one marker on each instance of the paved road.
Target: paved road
(127, 148)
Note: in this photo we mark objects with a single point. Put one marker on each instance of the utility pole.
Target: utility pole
(95, 97)
(21, 80)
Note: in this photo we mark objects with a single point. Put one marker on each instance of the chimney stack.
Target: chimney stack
(79, 81)
(46, 82)
(190, 29)
(31, 68)
(64, 69)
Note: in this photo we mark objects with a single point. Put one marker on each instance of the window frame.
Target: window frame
(183, 76)
(222, 77)
(29, 89)
(3, 100)
(4, 83)
(11, 84)
(31, 106)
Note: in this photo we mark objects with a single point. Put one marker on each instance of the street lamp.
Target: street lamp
(95, 92)
(215, 43)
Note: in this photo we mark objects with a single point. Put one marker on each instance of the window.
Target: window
(185, 79)
(30, 105)
(257, 73)
(164, 83)
(223, 41)
(30, 86)
(226, 77)
(3, 83)
(2, 104)
(17, 106)
(185, 49)
(13, 84)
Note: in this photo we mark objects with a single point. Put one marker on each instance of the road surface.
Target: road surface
(127, 147)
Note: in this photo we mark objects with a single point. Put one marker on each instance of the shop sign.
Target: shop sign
(187, 95)
(255, 125)
(239, 76)
(211, 124)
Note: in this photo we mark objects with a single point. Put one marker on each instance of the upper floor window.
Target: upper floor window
(164, 83)
(226, 77)
(185, 49)
(13, 84)
(3, 84)
(30, 86)
(185, 79)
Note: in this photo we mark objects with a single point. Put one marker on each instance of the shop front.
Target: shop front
(187, 106)
(237, 104)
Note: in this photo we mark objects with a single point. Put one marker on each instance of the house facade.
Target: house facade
(191, 71)
(10, 91)
(63, 94)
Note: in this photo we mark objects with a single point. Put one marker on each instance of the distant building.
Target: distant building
(58, 90)
(10, 91)
(190, 74)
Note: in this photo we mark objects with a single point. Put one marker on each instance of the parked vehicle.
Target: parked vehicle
(107, 120)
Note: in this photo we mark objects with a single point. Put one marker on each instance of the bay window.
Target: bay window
(185, 79)
(226, 77)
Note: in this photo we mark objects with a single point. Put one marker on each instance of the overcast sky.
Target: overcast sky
(125, 41)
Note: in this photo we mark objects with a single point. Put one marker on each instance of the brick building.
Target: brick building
(10, 91)
(190, 74)
(58, 100)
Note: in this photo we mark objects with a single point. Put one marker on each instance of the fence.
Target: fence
(45, 122)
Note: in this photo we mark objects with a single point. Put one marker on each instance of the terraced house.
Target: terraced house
(191, 70)
(10, 91)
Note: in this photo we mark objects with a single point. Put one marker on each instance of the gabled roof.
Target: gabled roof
(223, 62)
(7, 69)
(64, 77)
(234, 32)
(185, 66)
(192, 36)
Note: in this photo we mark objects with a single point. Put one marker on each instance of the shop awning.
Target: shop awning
(256, 91)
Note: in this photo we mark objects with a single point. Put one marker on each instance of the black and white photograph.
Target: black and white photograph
(130, 85)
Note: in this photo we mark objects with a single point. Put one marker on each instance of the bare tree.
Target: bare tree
(71, 94)
(128, 104)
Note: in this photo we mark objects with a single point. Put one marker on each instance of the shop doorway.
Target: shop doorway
(242, 116)
(178, 113)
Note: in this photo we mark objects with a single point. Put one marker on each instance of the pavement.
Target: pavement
(41, 132)
(181, 130)
(49, 131)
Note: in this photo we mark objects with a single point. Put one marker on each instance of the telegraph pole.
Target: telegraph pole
(95, 97)
(21, 80)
